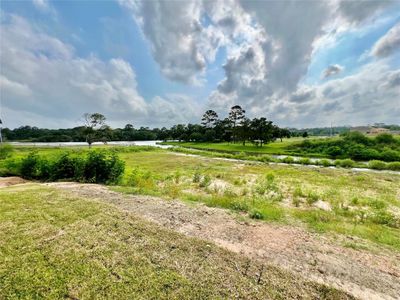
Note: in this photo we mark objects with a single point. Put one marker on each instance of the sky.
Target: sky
(159, 63)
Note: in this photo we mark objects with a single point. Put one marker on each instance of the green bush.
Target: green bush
(102, 167)
(345, 163)
(324, 162)
(304, 161)
(29, 166)
(394, 166)
(377, 165)
(97, 166)
(66, 167)
(6, 151)
(288, 160)
(256, 214)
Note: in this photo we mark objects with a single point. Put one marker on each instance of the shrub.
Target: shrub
(345, 163)
(206, 181)
(394, 166)
(65, 167)
(390, 155)
(196, 177)
(334, 151)
(288, 160)
(6, 151)
(377, 164)
(29, 166)
(324, 162)
(312, 198)
(385, 138)
(305, 161)
(140, 179)
(256, 214)
(101, 167)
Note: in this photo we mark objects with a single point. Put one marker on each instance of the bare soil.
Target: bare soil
(366, 274)
(7, 181)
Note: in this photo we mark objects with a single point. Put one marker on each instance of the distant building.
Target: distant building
(369, 130)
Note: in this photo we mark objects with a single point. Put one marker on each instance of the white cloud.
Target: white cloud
(41, 75)
(45, 7)
(180, 44)
(389, 43)
(332, 70)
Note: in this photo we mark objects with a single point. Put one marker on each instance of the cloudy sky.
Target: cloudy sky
(158, 63)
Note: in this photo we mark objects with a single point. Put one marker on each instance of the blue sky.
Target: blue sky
(157, 63)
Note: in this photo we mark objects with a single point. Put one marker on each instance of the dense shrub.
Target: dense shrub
(377, 165)
(5, 151)
(345, 163)
(395, 166)
(324, 162)
(304, 161)
(29, 167)
(102, 167)
(354, 145)
(288, 160)
(96, 166)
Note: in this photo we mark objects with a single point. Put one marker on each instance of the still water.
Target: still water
(68, 144)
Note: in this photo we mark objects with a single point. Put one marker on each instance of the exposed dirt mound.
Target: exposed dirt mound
(365, 274)
(7, 181)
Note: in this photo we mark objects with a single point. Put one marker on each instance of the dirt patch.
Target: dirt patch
(365, 274)
(7, 181)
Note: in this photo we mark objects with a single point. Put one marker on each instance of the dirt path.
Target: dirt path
(364, 274)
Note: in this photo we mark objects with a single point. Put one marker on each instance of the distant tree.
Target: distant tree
(178, 132)
(281, 133)
(223, 130)
(305, 134)
(262, 131)
(209, 119)
(244, 131)
(92, 123)
(236, 116)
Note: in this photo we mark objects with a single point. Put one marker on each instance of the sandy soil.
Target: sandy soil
(365, 274)
(7, 181)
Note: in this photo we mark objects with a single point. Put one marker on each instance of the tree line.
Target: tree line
(235, 128)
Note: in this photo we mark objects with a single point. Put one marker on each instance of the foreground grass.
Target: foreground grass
(54, 246)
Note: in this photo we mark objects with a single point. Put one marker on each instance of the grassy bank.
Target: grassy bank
(55, 246)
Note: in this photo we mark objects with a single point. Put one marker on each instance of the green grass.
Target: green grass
(277, 147)
(361, 204)
(55, 246)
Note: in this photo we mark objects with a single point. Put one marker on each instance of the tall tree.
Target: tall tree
(262, 131)
(209, 119)
(92, 123)
(236, 116)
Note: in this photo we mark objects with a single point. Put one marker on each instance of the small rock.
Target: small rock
(323, 205)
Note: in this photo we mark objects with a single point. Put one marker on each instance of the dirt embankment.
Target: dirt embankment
(365, 274)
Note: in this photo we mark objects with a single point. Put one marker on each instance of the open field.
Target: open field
(365, 205)
(56, 245)
(358, 212)
(277, 147)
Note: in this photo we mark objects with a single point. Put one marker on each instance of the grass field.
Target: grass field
(339, 201)
(57, 246)
(276, 148)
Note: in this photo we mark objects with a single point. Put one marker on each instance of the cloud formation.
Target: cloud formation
(332, 70)
(389, 43)
(41, 75)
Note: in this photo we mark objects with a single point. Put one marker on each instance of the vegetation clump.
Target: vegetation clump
(95, 167)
